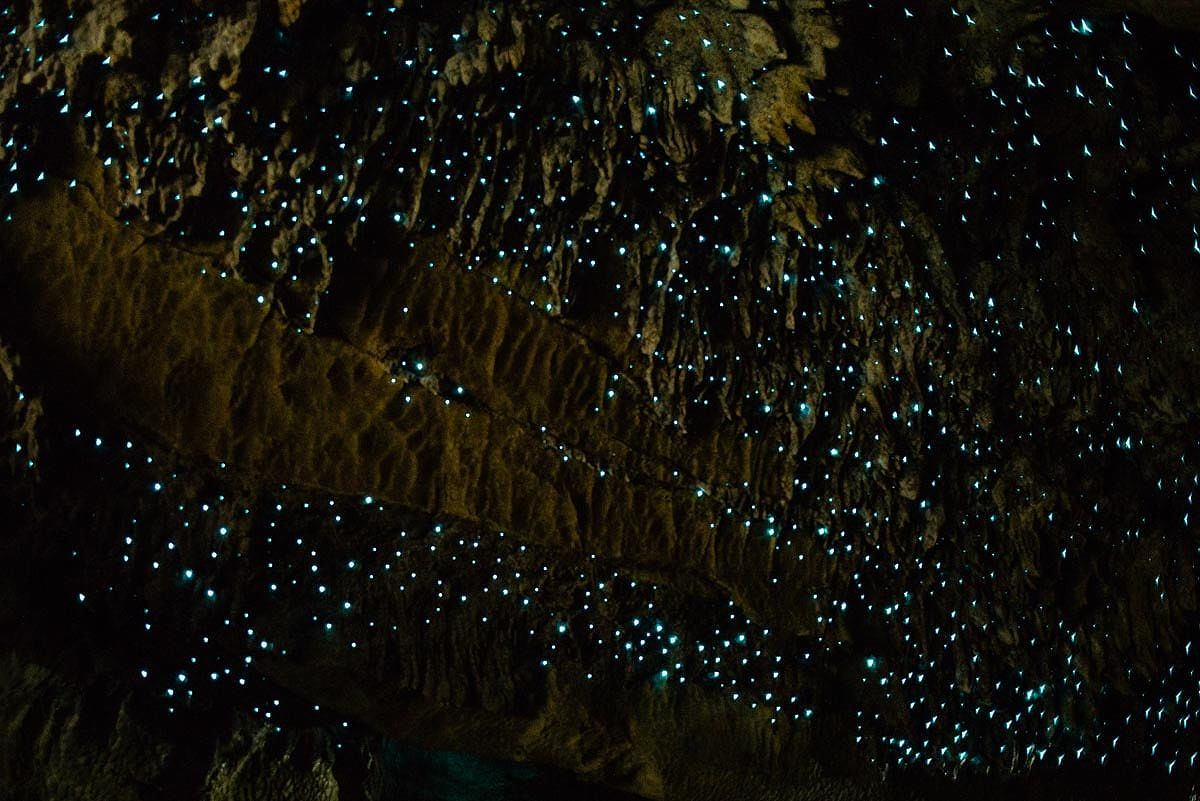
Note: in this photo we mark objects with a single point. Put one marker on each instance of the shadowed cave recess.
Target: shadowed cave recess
(729, 399)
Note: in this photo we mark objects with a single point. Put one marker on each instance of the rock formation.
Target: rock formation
(723, 399)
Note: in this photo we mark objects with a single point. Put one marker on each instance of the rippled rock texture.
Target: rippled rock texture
(725, 399)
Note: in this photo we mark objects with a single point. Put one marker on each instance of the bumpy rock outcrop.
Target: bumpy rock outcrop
(703, 400)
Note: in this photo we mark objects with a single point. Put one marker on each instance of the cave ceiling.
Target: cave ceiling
(718, 399)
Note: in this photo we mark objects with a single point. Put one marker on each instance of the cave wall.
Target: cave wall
(707, 400)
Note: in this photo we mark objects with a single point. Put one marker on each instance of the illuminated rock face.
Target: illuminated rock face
(709, 400)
